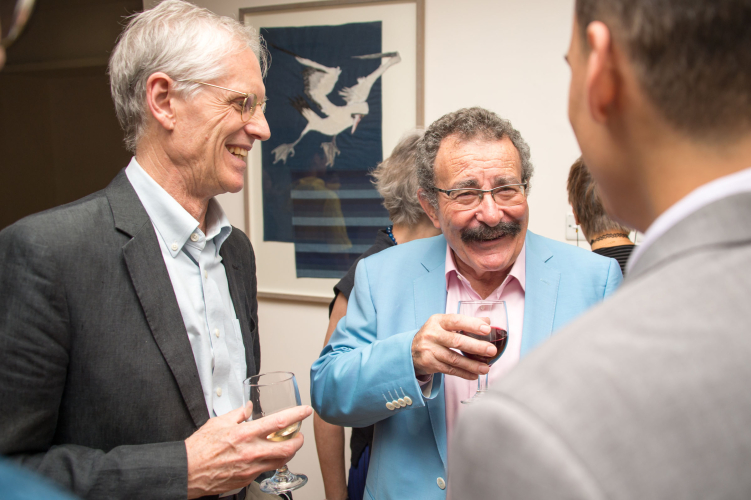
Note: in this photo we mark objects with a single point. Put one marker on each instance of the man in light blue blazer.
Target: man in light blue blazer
(391, 361)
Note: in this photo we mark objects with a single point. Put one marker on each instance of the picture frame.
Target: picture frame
(403, 30)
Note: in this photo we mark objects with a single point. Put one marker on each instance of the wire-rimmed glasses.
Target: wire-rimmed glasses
(508, 195)
(249, 104)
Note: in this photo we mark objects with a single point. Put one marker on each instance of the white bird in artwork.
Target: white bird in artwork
(319, 83)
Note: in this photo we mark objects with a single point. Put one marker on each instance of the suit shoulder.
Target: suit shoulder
(572, 255)
(62, 223)
(406, 254)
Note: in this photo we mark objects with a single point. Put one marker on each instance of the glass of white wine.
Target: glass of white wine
(270, 393)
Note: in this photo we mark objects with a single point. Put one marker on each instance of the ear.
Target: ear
(430, 211)
(602, 82)
(160, 97)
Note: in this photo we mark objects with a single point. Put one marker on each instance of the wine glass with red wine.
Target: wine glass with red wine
(495, 312)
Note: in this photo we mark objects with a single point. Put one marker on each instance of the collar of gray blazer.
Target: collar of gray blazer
(724, 222)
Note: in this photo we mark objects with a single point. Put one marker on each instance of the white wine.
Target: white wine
(285, 434)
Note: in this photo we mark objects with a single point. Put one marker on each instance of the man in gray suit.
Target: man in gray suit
(129, 318)
(647, 395)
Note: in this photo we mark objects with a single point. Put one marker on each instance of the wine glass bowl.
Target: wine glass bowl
(495, 312)
(270, 393)
(497, 336)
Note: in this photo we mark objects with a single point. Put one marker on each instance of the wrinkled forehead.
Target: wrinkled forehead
(467, 162)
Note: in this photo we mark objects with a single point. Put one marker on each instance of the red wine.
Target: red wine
(497, 336)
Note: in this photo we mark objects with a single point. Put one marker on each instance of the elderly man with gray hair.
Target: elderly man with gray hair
(128, 319)
(393, 360)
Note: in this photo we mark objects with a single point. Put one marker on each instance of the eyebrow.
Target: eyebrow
(473, 184)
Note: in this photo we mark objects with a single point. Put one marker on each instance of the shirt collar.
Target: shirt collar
(518, 270)
(172, 222)
(700, 197)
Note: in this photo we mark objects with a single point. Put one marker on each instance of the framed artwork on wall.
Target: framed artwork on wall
(345, 83)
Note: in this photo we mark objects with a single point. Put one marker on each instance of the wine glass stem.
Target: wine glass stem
(283, 474)
(482, 384)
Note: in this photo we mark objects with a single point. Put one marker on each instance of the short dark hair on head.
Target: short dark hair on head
(585, 200)
(467, 124)
(692, 58)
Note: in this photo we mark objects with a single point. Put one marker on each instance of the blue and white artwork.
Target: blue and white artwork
(325, 115)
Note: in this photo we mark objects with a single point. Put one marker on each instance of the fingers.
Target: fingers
(462, 323)
(281, 420)
(459, 363)
(432, 346)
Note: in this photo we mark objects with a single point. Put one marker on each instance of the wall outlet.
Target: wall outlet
(572, 229)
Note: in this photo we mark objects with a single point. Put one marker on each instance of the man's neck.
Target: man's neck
(678, 165)
(484, 284)
(172, 180)
(607, 239)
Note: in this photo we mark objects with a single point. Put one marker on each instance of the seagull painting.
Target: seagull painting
(319, 82)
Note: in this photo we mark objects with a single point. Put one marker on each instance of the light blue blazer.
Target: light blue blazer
(368, 361)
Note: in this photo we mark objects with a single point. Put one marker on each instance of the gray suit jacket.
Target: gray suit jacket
(644, 397)
(98, 384)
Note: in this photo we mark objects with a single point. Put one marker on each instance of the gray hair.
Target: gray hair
(467, 124)
(396, 180)
(180, 39)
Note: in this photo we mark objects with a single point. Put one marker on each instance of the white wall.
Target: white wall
(505, 55)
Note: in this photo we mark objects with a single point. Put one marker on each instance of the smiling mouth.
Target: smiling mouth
(237, 151)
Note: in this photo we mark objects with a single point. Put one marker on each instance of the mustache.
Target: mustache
(483, 232)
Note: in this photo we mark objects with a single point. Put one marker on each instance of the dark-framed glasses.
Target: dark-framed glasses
(508, 195)
(13, 17)
(249, 104)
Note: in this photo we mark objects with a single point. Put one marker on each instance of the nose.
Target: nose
(257, 127)
(488, 211)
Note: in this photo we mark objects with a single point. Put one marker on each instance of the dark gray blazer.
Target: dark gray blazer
(98, 384)
(645, 397)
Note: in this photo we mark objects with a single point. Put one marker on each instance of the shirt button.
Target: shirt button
(206, 274)
(441, 483)
(216, 332)
(175, 247)
(194, 237)
(219, 392)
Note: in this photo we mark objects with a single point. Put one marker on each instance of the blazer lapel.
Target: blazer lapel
(540, 295)
(153, 287)
(430, 298)
(233, 268)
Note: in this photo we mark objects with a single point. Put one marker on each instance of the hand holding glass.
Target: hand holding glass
(495, 312)
(270, 393)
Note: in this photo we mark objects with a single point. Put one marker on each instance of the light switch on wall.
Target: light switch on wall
(572, 228)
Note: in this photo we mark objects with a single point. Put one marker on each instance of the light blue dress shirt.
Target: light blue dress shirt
(201, 288)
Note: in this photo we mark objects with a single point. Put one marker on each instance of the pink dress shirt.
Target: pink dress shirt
(512, 292)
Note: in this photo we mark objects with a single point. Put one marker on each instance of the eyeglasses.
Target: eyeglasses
(13, 17)
(504, 196)
(249, 103)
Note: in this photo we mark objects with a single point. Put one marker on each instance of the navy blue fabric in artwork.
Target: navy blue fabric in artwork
(330, 212)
